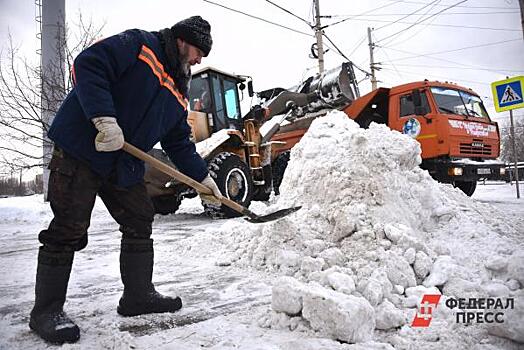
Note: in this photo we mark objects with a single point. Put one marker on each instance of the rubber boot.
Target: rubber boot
(136, 269)
(48, 319)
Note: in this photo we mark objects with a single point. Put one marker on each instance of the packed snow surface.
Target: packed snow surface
(347, 271)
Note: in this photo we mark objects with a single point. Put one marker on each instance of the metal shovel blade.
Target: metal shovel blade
(273, 216)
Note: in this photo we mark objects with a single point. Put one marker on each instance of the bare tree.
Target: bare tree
(506, 153)
(21, 96)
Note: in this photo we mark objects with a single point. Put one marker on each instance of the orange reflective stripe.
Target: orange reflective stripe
(148, 56)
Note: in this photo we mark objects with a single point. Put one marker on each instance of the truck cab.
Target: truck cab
(459, 141)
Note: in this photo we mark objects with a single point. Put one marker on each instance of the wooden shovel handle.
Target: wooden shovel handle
(166, 169)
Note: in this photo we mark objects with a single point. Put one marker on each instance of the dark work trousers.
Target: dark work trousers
(72, 191)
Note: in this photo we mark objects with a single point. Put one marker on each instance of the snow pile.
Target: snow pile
(374, 234)
(24, 209)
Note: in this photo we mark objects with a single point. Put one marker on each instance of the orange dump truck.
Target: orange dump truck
(459, 142)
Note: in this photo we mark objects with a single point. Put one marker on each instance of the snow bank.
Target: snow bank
(24, 209)
(375, 232)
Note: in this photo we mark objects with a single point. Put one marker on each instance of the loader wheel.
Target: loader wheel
(166, 204)
(233, 178)
(279, 167)
(468, 187)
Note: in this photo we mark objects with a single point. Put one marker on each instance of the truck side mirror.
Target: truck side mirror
(420, 110)
(417, 100)
(250, 90)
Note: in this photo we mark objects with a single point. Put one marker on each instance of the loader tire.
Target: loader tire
(279, 167)
(468, 187)
(233, 178)
(165, 204)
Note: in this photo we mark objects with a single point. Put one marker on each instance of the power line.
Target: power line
(259, 18)
(344, 56)
(420, 17)
(406, 16)
(453, 50)
(361, 14)
(435, 24)
(447, 13)
(357, 45)
(468, 7)
(400, 76)
(289, 12)
(425, 19)
(449, 61)
(483, 83)
(449, 67)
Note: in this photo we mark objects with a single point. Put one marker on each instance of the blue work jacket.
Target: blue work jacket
(126, 76)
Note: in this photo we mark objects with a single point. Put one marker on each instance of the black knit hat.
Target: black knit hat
(196, 31)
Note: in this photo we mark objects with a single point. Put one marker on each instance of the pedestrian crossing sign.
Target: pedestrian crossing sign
(507, 94)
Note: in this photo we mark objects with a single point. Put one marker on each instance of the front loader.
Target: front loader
(243, 157)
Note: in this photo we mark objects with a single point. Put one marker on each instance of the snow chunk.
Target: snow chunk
(496, 289)
(341, 282)
(513, 326)
(414, 295)
(394, 232)
(310, 265)
(333, 257)
(286, 296)
(513, 284)
(462, 288)
(496, 263)
(409, 255)
(340, 316)
(422, 265)
(399, 271)
(440, 272)
(516, 267)
(388, 316)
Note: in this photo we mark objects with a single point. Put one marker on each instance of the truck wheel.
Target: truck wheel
(233, 178)
(279, 167)
(165, 204)
(468, 187)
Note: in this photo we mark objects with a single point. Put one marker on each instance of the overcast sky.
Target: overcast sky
(276, 56)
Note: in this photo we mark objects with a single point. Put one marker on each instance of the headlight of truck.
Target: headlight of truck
(455, 171)
(502, 171)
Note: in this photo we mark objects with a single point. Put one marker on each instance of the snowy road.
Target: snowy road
(208, 290)
(222, 302)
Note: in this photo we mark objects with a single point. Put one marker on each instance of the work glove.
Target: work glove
(110, 137)
(211, 199)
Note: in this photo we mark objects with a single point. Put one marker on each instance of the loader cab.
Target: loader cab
(216, 93)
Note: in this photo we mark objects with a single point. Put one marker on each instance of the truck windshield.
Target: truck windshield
(451, 101)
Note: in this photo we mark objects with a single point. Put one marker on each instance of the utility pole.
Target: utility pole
(521, 3)
(53, 47)
(318, 35)
(372, 61)
(515, 157)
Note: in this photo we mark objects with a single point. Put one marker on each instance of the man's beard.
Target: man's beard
(184, 62)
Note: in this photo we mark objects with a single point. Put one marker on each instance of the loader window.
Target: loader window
(220, 119)
(407, 106)
(199, 96)
(230, 95)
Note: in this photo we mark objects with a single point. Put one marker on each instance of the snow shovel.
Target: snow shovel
(163, 167)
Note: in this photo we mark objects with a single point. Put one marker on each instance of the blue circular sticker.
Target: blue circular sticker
(411, 127)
